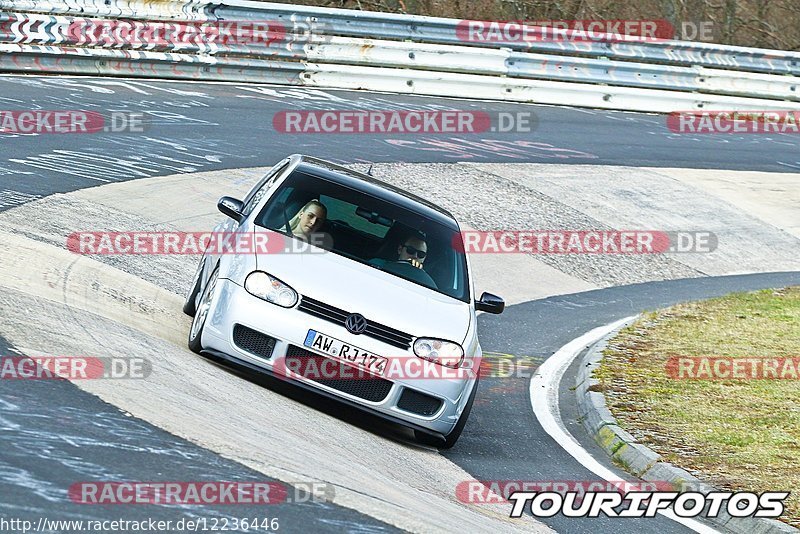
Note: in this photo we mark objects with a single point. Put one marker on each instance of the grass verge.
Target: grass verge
(735, 433)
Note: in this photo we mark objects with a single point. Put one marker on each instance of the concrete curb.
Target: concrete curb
(638, 459)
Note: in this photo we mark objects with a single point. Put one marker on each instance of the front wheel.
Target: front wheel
(200, 317)
(190, 306)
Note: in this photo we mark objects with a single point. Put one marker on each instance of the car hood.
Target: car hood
(377, 295)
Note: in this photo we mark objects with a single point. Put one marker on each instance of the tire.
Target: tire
(190, 306)
(201, 314)
(451, 438)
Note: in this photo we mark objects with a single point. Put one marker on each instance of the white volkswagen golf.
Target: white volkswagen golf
(349, 287)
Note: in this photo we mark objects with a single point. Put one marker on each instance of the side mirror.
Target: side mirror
(490, 303)
(231, 207)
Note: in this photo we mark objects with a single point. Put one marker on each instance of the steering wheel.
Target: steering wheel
(406, 270)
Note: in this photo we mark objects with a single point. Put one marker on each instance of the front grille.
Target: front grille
(367, 387)
(253, 341)
(374, 330)
(418, 403)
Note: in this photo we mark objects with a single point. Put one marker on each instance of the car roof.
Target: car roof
(376, 188)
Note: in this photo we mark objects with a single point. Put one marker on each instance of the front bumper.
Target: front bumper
(233, 305)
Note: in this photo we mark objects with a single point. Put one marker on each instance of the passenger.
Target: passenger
(308, 220)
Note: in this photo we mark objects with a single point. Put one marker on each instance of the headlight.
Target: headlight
(439, 351)
(271, 289)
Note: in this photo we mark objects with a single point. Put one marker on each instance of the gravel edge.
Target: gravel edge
(639, 460)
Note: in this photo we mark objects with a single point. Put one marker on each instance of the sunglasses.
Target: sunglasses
(415, 252)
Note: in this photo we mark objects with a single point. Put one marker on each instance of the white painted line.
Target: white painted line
(544, 400)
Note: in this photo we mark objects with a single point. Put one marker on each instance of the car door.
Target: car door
(230, 227)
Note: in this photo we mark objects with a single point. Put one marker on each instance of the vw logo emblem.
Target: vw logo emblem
(355, 323)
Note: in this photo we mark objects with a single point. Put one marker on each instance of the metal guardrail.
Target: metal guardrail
(399, 53)
(368, 24)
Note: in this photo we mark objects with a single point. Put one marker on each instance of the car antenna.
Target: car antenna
(369, 171)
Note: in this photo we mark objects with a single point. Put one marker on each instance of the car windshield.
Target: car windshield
(374, 232)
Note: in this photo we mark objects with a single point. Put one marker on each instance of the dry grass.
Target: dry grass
(736, 434)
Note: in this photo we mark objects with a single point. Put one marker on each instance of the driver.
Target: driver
(413, 250)
(411, 254)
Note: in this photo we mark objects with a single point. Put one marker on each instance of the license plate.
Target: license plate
(346, 352)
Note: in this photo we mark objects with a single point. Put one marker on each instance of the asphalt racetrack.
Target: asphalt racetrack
(199, 126)
(56, 432)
